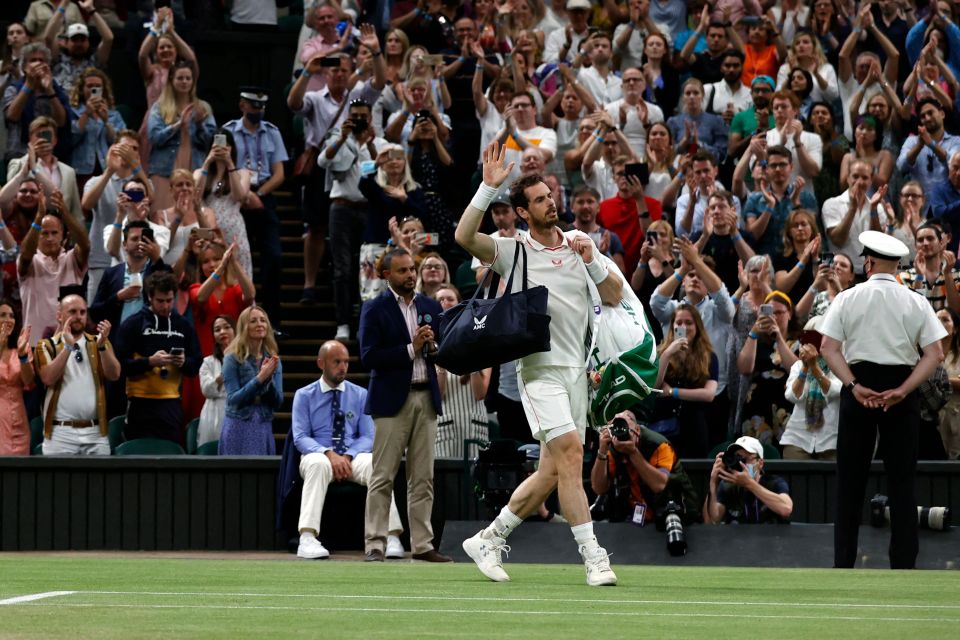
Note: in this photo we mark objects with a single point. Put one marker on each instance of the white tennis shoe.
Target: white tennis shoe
(597, 563)
(311, 549)
(394, 548)
(486, 553)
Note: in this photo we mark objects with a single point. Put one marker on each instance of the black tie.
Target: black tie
(339, 425)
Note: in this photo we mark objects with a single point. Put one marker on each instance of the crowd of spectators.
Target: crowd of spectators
(725, 155)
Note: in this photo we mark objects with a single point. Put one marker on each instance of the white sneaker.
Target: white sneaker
(597, 563)
(394, 547)
(343, 332)
(311, 549)
(486, 553)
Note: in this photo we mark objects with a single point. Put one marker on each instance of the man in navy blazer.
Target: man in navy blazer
(397, 343)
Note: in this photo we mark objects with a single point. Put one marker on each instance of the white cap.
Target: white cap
(78, 29)
(578, 4)
(751, 445)
(880, 245)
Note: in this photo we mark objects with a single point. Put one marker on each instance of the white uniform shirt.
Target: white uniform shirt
(833, 213)
(882, 322)
(570, 303)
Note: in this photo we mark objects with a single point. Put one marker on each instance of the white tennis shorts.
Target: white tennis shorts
(554, 400)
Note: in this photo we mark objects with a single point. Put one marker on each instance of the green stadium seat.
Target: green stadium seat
(192, 428)
(150, 447)
(115, 432)
(36, 436)
(208, 448)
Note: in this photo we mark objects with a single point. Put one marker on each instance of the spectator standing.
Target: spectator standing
(868, 138)
(722, 241)
(156, 348)
(806, 147)
(814, 390)
(71, 60)
(74, 366)
(834, 147)
(180, 128)
(699, 183)
(950, 414)
(754, 121)
(933, 274)
(728, 96)
(852, 212)
(945, 199)
(253, 379)
(130, 210)
(95, 123)
(799, 258)
(186, 214)
(223, 288)
(585, 204)
(35, 94)
(431, 168)
(632, 113)
(23, 200)
(41, 163)
(628, 213)
(924, 156)
(599, 79)
(42, 11)
(211, 382)
(45, 266)
(16, 375)
(168, 48)
(807, 54)
(694, 129)
(224, 190)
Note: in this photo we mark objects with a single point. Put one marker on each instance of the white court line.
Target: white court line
(35, 596)
(829, 605)
(628, 614)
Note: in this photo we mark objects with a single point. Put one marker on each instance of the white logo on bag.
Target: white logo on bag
(479, 323)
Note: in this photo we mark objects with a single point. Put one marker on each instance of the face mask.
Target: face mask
(255, 116)
(751, 469)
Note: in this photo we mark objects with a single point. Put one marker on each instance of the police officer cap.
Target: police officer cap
(880, 245)
(255, 95)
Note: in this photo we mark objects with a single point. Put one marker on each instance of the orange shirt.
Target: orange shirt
(759, 62)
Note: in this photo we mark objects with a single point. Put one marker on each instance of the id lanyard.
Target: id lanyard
(246, 150)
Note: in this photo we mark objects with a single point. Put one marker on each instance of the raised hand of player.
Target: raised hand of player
(494, 171)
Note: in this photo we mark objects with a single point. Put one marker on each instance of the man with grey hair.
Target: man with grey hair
(335, 438)
(35, 94)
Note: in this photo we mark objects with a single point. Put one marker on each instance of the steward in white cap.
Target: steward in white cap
(872, 335)
(740, 492)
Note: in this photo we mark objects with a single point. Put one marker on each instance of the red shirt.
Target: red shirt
(205, 313)
(620, 216)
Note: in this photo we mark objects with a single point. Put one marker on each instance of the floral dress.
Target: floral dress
(230, 221)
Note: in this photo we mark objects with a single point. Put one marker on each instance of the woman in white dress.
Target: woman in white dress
(211, 382)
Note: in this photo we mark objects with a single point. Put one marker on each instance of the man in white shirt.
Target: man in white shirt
(632, 113)
(520, 131)
(353, 144)
(562, 44)
(505, 220)
(807, 147)
(598, 78)
(598, 163)
(846, 216)
(73, 366)
(553, 383)
(728, 97)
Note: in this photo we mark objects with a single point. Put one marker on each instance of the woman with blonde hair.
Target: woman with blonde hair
(806, 53)
(180, 128)
(95, 125)
(395, 46)
(167, 48)
(222, 288)
(186, 214)
(688, 372)
(253, 379)
(432, 275)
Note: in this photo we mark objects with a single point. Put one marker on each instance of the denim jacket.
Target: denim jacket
(243, 388)
(91, 144)
(165, 141)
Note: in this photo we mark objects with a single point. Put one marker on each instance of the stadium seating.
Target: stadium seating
(149, 447)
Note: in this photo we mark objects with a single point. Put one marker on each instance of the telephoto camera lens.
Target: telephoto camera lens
(676, 540)
(932, 518)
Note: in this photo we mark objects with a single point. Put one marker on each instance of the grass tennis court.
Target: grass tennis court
(122, 597)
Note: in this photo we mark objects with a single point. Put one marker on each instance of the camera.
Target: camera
(620, 430)
(676, 538)
(360, 124)
(932, 518)
(731, 462)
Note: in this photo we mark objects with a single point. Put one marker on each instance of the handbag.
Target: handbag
(304, 164)
(480, 332)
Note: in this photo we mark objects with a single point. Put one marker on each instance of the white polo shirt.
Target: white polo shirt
(570, 303)
(833, 212)
(882, 322)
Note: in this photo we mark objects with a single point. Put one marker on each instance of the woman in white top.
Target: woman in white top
(489, 110)
(224, 188)
(791, 16)
(211, 382)
(185, 214)
(806, 53)
(811, 430)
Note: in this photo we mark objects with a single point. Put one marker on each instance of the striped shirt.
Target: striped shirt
(935, 292)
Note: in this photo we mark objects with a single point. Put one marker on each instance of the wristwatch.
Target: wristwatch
(850, 385)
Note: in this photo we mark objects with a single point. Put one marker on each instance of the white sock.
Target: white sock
(504, 524)
(583, 534)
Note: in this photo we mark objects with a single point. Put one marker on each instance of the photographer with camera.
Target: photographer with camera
(349, 153)
(636, 472)
(740, 492)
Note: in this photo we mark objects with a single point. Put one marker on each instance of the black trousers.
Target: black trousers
(263, 230)
(857, 437)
